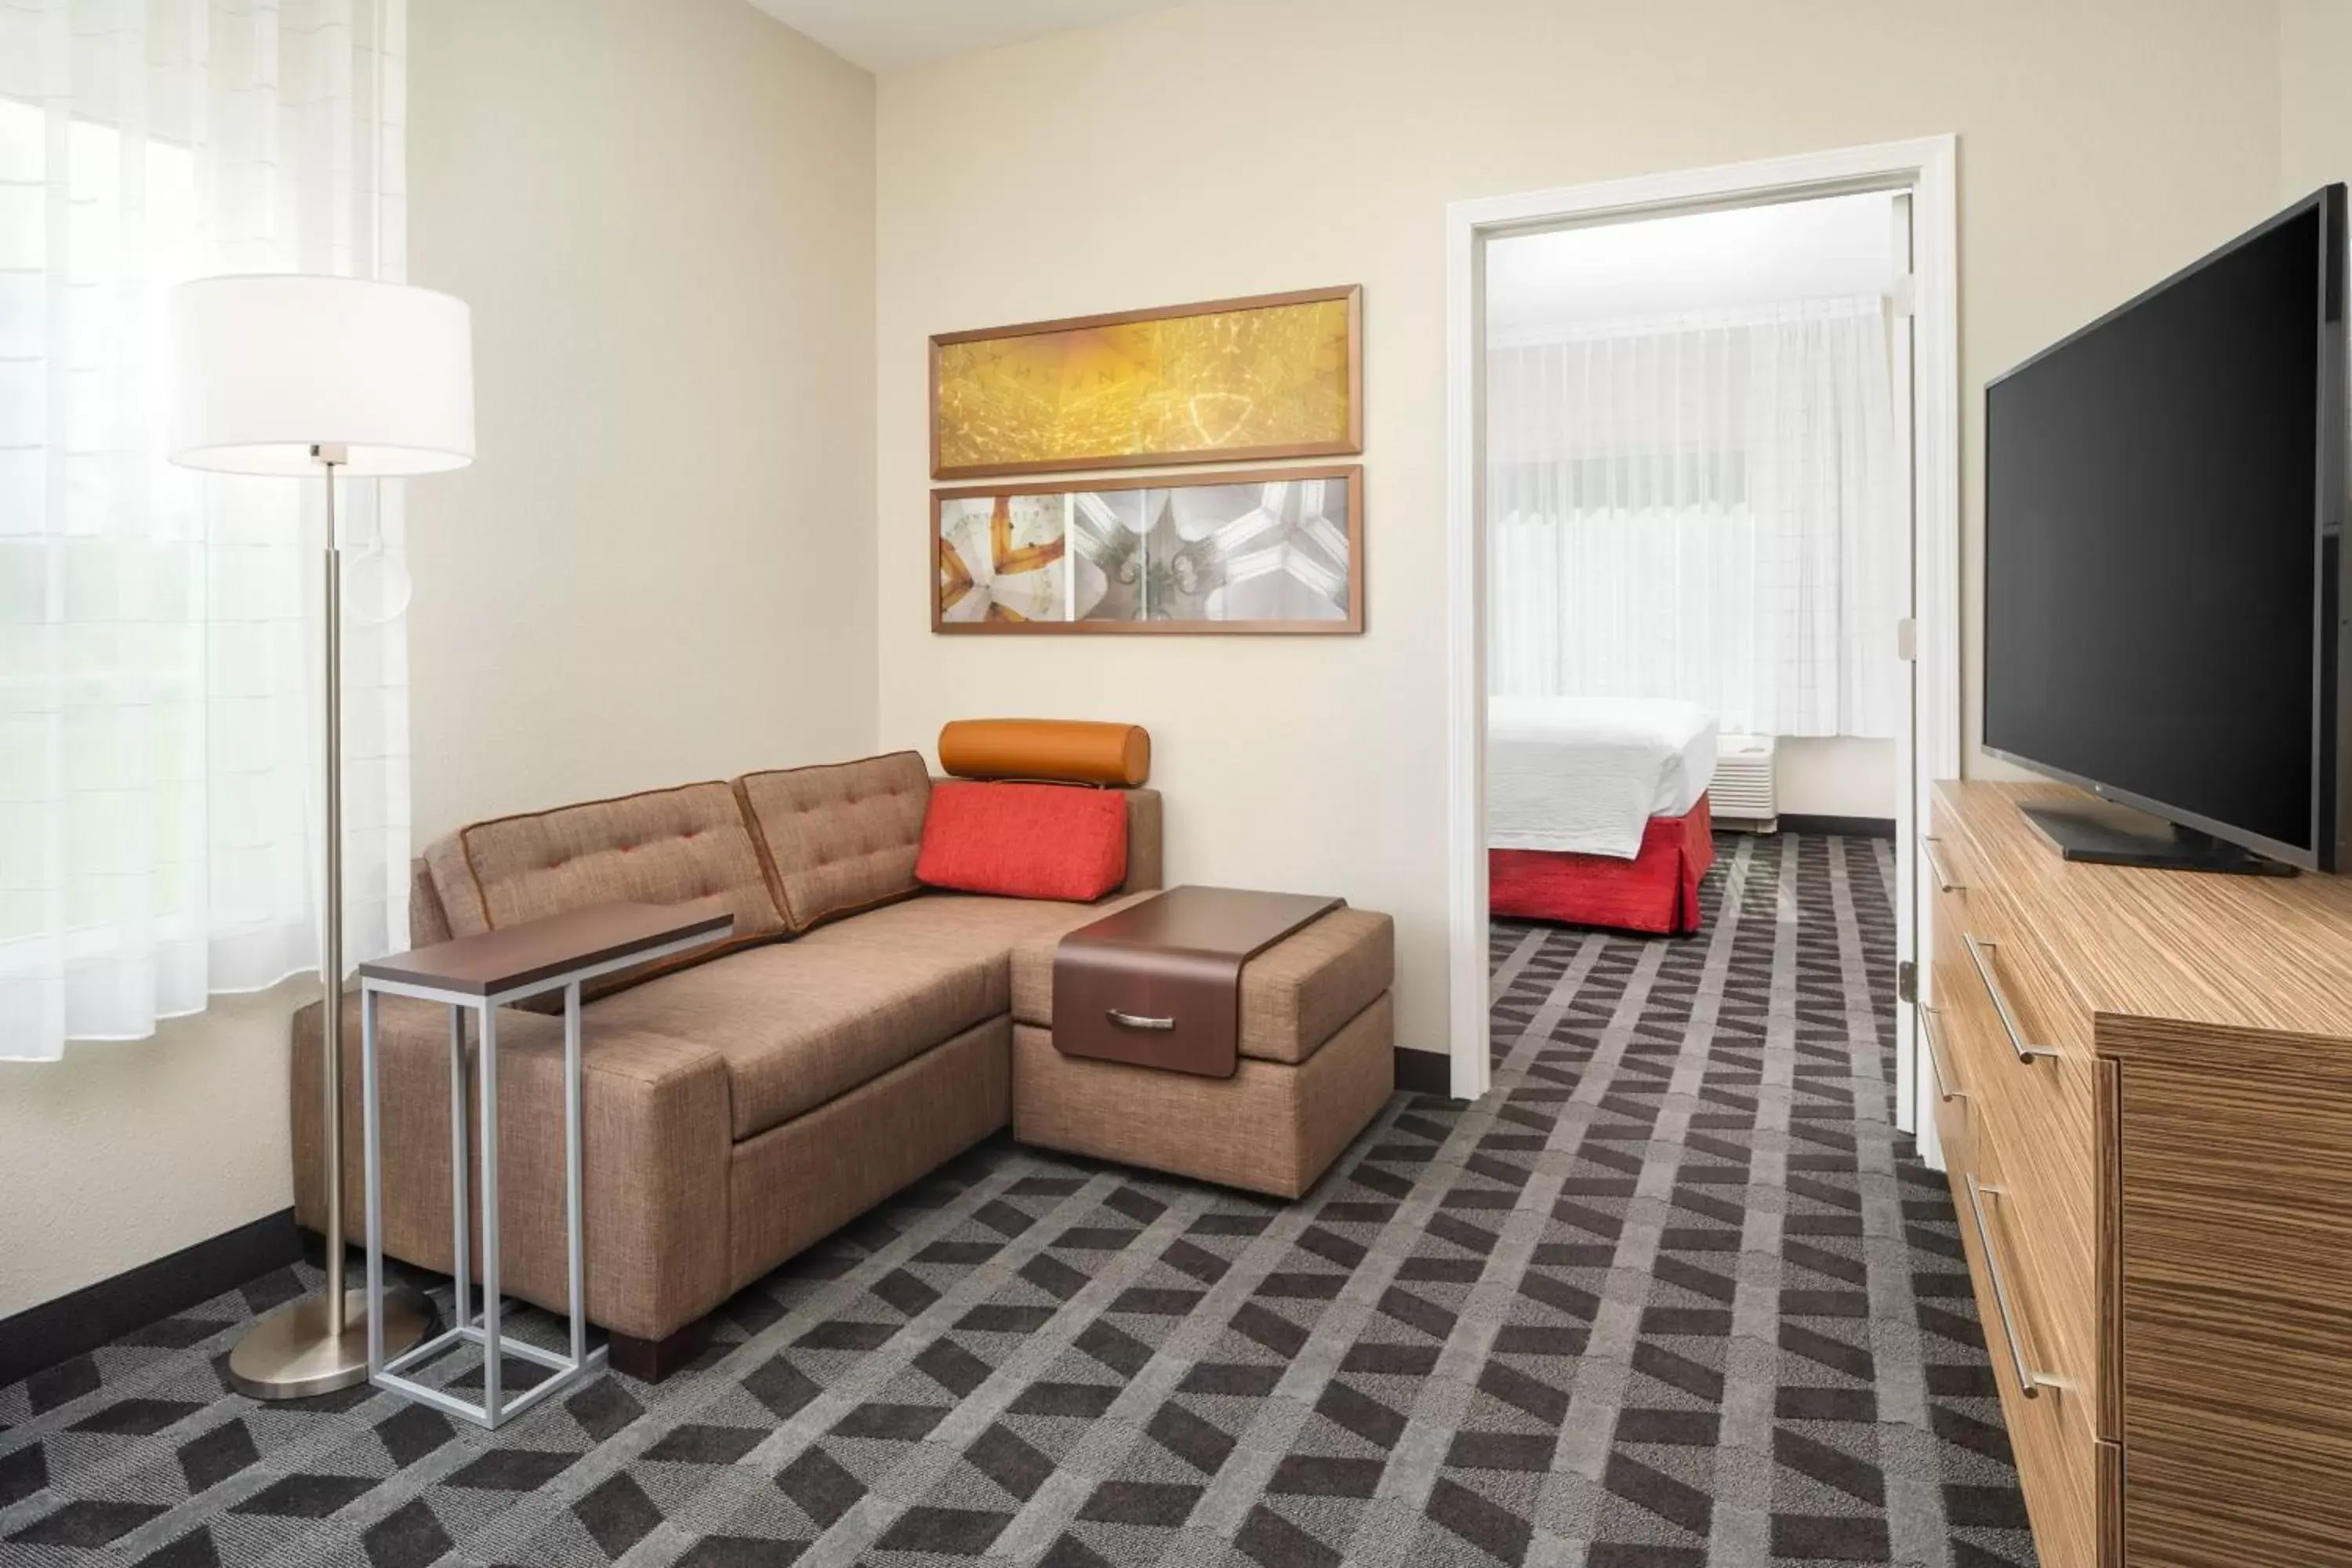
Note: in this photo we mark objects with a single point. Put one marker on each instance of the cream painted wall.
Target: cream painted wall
(2315, 96)
(1834, 775)
(659, 569)
(127, 1151)
(1222, 148)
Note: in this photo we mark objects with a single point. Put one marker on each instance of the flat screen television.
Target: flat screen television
(2164, 565)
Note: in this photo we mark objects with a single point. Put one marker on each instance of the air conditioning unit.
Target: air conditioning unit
(1742, 794)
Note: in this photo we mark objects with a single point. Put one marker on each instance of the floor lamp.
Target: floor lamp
(311, 377)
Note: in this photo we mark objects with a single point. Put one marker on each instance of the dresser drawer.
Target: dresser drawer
(2022, 1045)
(2038, 1015)
(2072, 1479)
(1978, 1048)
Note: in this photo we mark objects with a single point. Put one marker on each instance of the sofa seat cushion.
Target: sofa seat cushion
(687, 844)
(841, 837)
(801, 1023)
(970, 926)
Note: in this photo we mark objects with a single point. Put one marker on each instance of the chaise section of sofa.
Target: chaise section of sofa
(855, 1035)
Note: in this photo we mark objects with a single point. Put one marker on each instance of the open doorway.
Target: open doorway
(1703, 453)
(1697, 542)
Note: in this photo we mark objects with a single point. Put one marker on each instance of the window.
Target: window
(158, 751)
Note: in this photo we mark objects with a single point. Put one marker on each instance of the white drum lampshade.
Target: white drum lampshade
(267, 367)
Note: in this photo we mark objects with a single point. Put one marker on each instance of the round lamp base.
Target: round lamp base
(291, 1354)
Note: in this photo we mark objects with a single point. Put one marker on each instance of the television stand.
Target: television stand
(2153, 1212)
(2100, 834)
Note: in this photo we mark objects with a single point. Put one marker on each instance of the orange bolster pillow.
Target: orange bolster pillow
(1058, 751)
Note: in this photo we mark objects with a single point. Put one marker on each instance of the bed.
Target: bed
(1597, 810)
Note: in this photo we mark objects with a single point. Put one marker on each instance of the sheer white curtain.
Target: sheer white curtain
(1705, 508)
(159, 743)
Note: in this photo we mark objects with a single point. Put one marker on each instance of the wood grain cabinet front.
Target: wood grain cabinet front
(2048, 1417)
(2145, 1093)
(2035, 1072)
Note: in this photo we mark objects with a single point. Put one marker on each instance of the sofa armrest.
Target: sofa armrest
(428, 921)
(657, 1137)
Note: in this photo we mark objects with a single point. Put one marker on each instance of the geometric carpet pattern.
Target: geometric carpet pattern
(1674, 1295)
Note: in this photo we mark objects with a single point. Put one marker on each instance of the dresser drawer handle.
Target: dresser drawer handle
(1979, 952)
(1931, 1031)
(1944, 882)
(2026, 1380)
(1137, 1021)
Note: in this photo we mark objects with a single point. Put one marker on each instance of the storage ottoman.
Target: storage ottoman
(1316, 1063)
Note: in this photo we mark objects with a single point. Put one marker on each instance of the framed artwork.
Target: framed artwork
(1275, 550)
(1275, 375)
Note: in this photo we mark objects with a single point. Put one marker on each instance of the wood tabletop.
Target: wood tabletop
(1230, 922)
(2248, 953)
(518, 956)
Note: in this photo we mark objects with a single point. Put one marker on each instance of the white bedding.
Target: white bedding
(1584, 774)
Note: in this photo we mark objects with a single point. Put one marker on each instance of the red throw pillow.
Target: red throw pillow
(1024, 840)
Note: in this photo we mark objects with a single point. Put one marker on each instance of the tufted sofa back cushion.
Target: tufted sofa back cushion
(842, 837)
(682, 846)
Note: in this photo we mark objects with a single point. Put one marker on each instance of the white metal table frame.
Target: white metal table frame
(484, 1330)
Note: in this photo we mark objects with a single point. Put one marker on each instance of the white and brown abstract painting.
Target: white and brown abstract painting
(1271, 550)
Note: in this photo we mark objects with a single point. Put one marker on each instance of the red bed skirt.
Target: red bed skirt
(1657, 891)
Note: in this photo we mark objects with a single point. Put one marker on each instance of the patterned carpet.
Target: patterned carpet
(1674, 1296)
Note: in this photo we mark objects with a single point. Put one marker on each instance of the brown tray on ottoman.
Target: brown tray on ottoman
(1311, 1036)
(1158, 983)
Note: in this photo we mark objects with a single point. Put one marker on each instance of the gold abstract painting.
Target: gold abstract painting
(1274, 377)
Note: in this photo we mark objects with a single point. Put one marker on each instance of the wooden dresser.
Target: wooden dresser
(2144, 1094)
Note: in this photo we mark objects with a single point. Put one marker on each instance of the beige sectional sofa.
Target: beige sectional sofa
(855, 1033)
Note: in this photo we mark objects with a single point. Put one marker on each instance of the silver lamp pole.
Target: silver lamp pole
(320, 1343)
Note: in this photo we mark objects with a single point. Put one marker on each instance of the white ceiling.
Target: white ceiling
(1702, 261)
(887, 34)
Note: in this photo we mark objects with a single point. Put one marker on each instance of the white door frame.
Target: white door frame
(1925, 168)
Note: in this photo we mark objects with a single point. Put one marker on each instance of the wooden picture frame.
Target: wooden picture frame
(1036, 554)
(1346, 440)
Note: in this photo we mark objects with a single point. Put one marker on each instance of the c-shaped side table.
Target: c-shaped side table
(480, 974)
